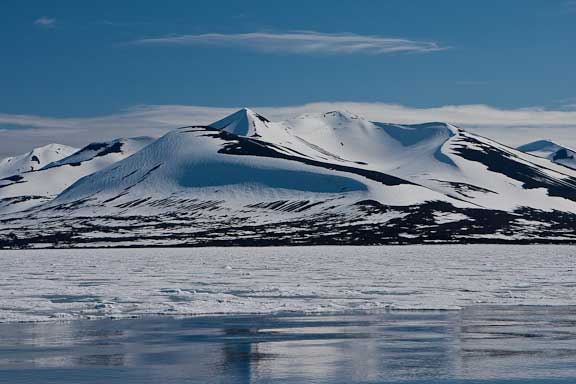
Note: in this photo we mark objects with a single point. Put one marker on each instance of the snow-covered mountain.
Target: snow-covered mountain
(28, 189)
(317, 179)
(34, 160)
(551, 151)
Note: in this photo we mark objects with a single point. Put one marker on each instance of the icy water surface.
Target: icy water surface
(476, 345)
(41, 285)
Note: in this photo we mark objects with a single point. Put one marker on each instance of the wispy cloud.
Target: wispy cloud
(570, 6)
(45, 22)
(511, 126)
(302, 42)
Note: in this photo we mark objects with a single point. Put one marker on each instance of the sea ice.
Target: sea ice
(41, 285)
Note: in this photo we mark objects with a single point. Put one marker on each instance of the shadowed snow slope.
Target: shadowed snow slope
(35, 159)
(332, 178)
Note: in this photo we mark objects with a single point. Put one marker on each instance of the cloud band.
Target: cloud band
(512, 126)
(301, 42)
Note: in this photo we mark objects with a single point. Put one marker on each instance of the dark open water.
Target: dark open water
(476, 345)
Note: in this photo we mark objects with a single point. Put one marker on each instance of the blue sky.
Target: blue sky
(84, 60)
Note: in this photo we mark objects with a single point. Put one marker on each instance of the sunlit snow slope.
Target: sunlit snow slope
(34, 160)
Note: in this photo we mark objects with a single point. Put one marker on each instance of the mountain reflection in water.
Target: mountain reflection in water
(487, 344)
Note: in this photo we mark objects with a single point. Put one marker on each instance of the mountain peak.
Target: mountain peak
(35, 159)
(246, 110)
(243, 122)
(341, 115)
(539, 145)
(51, 147)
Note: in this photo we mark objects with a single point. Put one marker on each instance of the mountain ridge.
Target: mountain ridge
(323, 178)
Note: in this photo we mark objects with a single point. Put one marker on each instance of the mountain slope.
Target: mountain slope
(34, 160)
(332, 178)
(552, 151)
(26, 190)
(441, 157)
